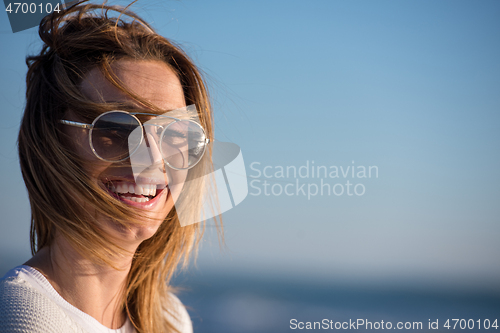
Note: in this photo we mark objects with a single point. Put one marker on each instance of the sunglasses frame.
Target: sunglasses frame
(132, 114)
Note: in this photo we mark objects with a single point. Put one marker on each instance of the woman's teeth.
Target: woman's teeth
(136, 199)
(133, 192)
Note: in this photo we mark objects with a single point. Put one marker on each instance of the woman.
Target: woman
(112, 146)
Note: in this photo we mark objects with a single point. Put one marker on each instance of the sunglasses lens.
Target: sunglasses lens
(183, 144)
(116, 135)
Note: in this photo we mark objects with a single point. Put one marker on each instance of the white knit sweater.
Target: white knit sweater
(29, 303)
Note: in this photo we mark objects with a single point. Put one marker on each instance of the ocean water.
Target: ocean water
(237, 302)
(268, 305)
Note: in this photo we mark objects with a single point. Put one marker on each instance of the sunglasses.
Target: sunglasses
(116, 135)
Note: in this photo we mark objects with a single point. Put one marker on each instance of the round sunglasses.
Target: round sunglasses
(116, 135)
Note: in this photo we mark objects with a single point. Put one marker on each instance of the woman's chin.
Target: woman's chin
(140, 233)
(130, 237)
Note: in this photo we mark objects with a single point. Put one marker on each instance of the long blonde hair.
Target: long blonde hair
(77, 40)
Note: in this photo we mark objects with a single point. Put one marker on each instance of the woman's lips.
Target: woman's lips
(160, 196)
(144, 196)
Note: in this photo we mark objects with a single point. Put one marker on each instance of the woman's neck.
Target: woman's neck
(97, 290)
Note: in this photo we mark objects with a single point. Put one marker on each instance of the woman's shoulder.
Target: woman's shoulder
(23, 308)
(178, 315)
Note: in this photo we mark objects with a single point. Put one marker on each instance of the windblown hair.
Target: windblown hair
(79, 39)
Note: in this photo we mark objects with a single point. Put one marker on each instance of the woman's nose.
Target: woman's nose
(148, 155)
(153, 144)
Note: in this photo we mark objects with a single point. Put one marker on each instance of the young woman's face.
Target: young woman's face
(158, 84)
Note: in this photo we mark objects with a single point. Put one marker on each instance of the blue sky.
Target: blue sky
(410, 87)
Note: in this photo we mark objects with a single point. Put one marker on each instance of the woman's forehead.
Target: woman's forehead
(152, 81)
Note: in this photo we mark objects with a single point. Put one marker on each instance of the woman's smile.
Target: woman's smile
(141, 195)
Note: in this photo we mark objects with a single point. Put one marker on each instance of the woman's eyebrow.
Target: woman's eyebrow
(135, 106)
(128, 104)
